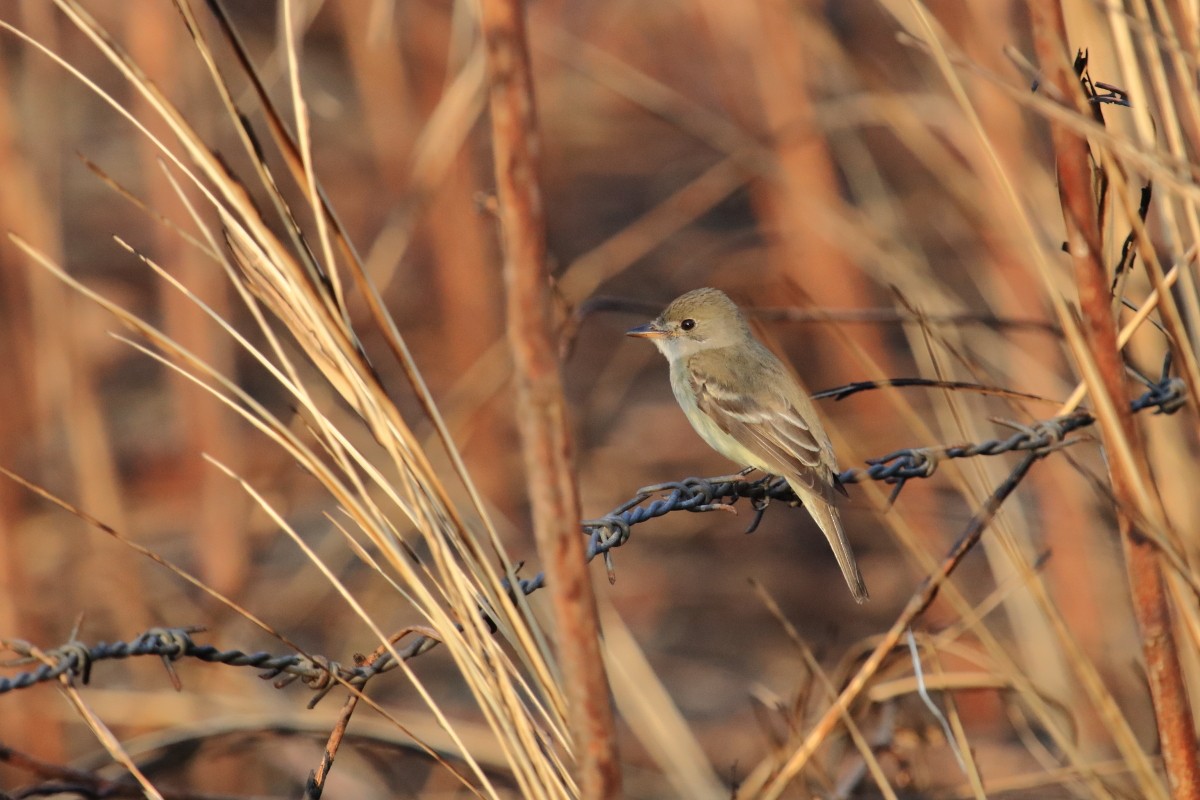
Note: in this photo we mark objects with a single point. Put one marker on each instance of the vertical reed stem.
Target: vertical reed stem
(1143, 567)
(541, 409)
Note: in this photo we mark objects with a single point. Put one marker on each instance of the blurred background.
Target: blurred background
(812, 159)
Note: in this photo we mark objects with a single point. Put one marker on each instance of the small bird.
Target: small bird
(749, 408)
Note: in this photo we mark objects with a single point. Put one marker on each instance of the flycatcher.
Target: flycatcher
(749, 408)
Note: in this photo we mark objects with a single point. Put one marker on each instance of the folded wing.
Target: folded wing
(771, 426)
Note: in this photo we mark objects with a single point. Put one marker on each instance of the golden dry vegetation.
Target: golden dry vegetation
(289, 414)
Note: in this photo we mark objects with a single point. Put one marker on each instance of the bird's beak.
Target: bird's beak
(651, 330)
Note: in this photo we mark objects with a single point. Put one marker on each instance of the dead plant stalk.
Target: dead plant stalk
(1167, 689)
(541, 410)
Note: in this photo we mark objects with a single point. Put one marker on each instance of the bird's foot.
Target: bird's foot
(733, 477)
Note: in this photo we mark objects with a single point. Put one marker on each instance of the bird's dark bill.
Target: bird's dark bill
(647, 331)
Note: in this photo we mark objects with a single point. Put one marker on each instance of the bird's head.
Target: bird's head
(699, 320)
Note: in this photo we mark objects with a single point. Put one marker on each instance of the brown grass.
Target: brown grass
(369, 367)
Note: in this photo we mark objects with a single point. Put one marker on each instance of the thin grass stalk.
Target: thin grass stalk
(108, 740)
(827, 687)
(541, 409)
(272, 276)
(1072, 120)
(513, 623)
(1168, 692)
(769, 779)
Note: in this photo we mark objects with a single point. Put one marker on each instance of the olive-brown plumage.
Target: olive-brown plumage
(749, 407)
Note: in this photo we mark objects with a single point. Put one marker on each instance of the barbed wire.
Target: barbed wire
(75, 659)
(1166, 396)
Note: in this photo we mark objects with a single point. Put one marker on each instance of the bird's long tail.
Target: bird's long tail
(830, 521)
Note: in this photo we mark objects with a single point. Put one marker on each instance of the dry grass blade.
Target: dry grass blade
(109, 741)
(299, 162)
(770, 780)
(461, 579)
(827, 687)
(645, 704)
(292, 442)
(1129, 471)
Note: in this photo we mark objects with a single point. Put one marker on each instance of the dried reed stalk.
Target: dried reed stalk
(1167, 689)
(541, 410)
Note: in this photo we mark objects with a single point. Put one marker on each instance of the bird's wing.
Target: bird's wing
(768, 424)
(779, 426)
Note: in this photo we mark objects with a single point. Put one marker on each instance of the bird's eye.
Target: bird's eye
(688, 324)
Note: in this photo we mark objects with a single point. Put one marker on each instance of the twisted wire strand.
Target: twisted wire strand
(75, 659)
(605, 533)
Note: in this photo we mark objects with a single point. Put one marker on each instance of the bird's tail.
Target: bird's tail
(830, 521)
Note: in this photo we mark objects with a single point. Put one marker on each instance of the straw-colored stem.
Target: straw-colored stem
(541, 409)
(768, 780)
(1163, 673)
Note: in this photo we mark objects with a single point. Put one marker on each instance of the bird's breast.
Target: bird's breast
(709, 430)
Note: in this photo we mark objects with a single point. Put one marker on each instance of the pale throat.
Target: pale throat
(677, 347)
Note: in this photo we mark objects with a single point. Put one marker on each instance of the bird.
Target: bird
(750, 408)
